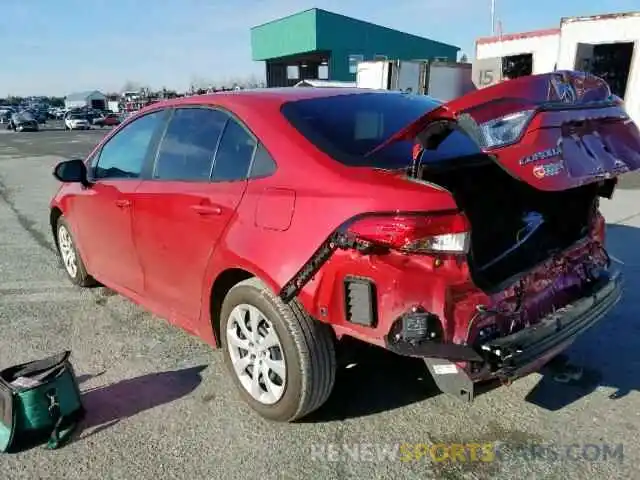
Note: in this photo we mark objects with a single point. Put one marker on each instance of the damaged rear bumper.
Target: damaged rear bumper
(514, 356)
(511, 355)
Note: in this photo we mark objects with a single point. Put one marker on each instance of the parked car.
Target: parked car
(73, 111)
(466, 234)
(76, 122)
(109, 120)
(5, 116)
(23, 122)
(39, 115)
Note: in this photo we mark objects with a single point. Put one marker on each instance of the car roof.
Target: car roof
(283, 94)
(268, 97)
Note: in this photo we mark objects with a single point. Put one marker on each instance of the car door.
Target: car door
(103, 213)
(181, 210)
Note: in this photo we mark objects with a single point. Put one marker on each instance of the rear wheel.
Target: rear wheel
(281, 360)
(70, 257)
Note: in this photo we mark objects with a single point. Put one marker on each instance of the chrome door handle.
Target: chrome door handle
(123, 203)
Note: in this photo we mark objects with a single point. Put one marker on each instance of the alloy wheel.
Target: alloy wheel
(256, 354)
(67, 251)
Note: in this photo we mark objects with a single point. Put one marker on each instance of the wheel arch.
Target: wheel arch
(54, 215)
(223, 282)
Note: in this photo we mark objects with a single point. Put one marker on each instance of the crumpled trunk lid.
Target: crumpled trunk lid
(536, 233)
(573, 130)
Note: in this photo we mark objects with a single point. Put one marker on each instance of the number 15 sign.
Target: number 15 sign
(487, 71)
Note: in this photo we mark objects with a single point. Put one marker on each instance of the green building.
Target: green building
(319, 45)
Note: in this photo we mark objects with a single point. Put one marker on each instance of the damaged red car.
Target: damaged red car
(274, 222)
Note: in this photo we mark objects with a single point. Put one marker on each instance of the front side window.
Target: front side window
(189, 144)
(234, 153)
(124, 154)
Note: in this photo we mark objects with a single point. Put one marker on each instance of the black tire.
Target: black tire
(308, 347)
(81, 277)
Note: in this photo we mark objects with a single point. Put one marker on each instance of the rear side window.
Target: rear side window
(189, 144)
(263, 164)
(349, 126)
(234, 153)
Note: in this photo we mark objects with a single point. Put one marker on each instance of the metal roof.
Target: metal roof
(606, 16)
(518, 36)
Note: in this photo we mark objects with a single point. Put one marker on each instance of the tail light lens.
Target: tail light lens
(439, 233)
(504, 130)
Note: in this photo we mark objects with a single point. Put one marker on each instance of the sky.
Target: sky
(56, 47)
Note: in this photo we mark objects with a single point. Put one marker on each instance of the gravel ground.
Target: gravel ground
(161, 406)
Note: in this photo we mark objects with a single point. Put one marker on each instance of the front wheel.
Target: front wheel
(70, 256)
(281, 360)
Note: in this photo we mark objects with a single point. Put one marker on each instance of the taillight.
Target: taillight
(435, 233)
(497, 132)
(505, 130)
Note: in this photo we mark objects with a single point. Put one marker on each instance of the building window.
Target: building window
(353, 62)
(380, 57)
(323, 72)
(441, 59)
(293, 72)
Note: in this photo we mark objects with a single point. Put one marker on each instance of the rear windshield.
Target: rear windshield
(347, 127)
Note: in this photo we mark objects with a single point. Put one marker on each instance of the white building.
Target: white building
(581, 43)
(92, 99)
(543, 46)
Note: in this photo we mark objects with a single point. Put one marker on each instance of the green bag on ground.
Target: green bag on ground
(39, 402)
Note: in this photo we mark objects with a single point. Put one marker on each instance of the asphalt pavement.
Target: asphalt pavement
(160, 404)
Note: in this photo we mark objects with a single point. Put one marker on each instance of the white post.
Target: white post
(493, 17)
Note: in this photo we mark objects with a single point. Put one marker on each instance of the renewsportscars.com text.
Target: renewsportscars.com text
(466, 452)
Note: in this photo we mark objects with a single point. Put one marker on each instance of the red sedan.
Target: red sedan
(274, 222)
(109, 120)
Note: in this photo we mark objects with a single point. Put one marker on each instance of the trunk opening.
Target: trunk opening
(514, 226)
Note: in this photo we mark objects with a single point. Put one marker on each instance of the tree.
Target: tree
(464, 58)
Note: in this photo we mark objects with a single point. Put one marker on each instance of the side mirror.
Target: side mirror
(72, 171)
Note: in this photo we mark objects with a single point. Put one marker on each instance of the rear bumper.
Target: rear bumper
(514, 356)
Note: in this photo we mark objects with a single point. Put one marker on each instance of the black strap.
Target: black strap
(58, 435)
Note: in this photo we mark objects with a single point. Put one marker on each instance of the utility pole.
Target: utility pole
(493, 17)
